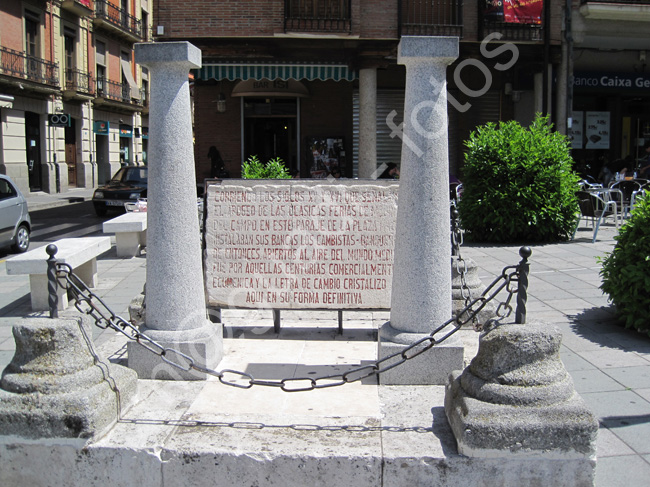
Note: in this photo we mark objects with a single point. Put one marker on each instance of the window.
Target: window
(100, 61)
(32, 30)
(69, 41)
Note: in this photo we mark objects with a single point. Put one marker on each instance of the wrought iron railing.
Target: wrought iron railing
(30, 68)
(114, 91)
(317, 15)
(79, 81)
(118, 17)
(431, 18)
(509, 31)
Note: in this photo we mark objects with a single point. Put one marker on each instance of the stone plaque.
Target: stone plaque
(300, 244)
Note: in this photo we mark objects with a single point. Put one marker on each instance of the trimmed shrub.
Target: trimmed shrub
(626, 270)
(274, 169)
(518, 184)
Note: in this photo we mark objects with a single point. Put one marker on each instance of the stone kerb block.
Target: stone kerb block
(516, 401)
(55, 388)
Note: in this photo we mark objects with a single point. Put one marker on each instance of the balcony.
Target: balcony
(78, 85)
(28, 71)
(431, 18)
(117, 95)
(491, 22)
(82, 8)
(632, 10)
(322, 16)
(117, 20)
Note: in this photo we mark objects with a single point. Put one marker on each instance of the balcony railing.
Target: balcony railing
(431, 17)
(114, 91)
(117, 17)
(79, 82)
(509, 31)
(30, 68)
(317, 15)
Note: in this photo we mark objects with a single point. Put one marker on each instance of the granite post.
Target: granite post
(176, 310)
(421, 290)
(516, 402)
(57, 387)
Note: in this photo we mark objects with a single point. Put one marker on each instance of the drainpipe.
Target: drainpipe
(568, 37)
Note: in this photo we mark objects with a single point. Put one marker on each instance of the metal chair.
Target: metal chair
(595, 208)
(635, 194)
(627, 188)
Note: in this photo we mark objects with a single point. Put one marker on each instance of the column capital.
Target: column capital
(152, 53)
(424, 48)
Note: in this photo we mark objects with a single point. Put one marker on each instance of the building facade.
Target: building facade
(316, 82)
(73, 104)
(610, 45)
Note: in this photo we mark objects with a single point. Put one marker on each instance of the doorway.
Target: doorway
(71, 152)
(270, 128)
(33, 149)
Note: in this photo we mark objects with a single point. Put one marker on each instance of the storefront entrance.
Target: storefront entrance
(270, 130)
(71, 152)
(33, 149)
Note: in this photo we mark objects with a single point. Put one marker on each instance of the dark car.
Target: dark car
(127, 186)
(15, 224)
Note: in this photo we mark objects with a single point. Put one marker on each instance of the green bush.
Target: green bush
(273, 169)
(626, 270)
(518, 185)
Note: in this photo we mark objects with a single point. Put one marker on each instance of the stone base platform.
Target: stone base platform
(205, 433)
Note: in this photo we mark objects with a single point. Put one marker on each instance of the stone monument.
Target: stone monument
(176, 311)
(421, 290)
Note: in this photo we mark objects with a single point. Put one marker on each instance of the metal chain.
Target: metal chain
(461, 265)
(89, 303)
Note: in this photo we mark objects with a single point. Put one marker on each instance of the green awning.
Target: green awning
(232, 72)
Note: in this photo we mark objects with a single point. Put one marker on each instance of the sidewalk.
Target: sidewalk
(40, 200)
(610, 365)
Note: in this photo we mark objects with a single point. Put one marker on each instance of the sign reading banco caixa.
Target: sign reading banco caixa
(300, 244)
(611, 81)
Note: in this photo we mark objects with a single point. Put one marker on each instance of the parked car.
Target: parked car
(15, 224)
(127, 186)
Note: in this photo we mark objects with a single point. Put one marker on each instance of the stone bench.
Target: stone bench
(130, 232)
(79, 253)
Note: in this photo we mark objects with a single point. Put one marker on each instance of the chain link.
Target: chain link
(89, 303)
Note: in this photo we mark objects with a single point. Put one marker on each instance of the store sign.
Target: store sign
(59, 120)
(100, 127)
(597, 130)
(126, 131)
(576, 132)
(145, 132)
(514, 11)
(612, 81)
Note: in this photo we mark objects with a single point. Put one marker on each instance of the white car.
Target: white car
(15, 224)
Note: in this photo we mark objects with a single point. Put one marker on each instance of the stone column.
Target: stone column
(367, 122)
(421, 291)
(176, 311)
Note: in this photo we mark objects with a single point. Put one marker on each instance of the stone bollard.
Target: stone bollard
(56, 387)
(516, 402)
(421, 289)
(176, 312)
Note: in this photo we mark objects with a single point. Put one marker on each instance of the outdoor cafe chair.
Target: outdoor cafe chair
(627, 187)
(636, 194)
(596, 209)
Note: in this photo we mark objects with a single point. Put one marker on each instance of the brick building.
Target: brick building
(285, 78)
(72, 101)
